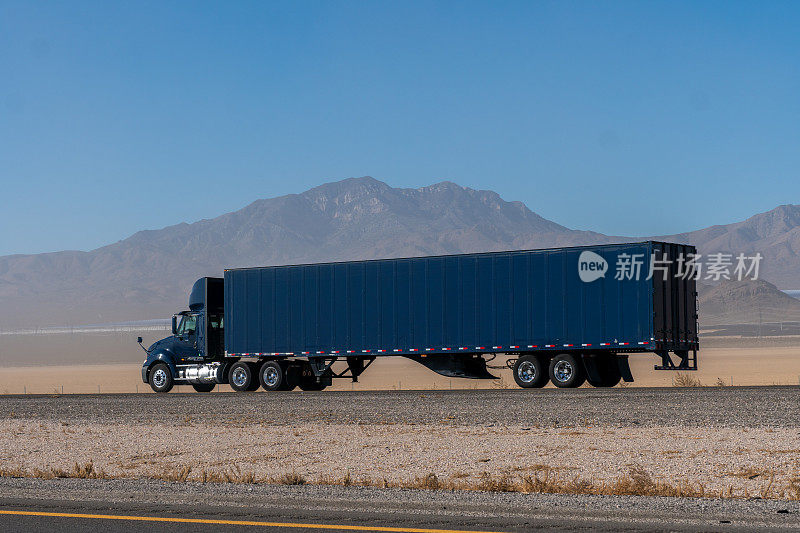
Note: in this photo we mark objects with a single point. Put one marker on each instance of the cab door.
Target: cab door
(189, 337)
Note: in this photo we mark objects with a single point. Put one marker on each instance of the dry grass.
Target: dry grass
(291, 478)
(543, 480)
(685, 380)
(79, 471)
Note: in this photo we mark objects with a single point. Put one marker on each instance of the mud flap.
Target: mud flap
(455, 366)
(624, 368)
(590, 365)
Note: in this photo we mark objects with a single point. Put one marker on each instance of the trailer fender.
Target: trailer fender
(455, 366)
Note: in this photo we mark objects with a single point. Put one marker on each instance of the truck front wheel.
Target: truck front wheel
(160, 378)
(529, 372)
(566, 371)
(242, 378)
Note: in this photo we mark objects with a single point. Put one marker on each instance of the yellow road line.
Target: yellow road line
(342, 527)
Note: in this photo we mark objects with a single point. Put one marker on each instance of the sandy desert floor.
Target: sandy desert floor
(739, 366)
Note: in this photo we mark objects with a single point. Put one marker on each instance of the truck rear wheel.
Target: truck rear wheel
(242, 377)
(608, 371)
(529, 372)
(566, 371)
(203, 387)
(272, 376)
(160, 378)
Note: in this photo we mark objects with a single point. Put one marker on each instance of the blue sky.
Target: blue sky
(629, 118)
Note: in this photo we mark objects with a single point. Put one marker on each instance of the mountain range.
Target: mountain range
(148, 274)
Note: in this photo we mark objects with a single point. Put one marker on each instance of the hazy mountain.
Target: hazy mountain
(747, 301)
(775, 234)
(148, 274)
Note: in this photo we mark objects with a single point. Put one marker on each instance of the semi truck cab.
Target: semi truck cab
(194, 353)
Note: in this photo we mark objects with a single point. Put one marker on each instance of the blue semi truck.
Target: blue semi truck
(562, 315)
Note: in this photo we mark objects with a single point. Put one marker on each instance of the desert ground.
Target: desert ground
(111, 362)
(664, 441)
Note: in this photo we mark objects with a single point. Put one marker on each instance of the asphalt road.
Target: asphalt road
(317, 508)
(688, 407)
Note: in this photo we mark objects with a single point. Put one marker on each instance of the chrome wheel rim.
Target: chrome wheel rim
(239, 377)
(526, 372)
(563, 371)
(271, 376)
(159, 378)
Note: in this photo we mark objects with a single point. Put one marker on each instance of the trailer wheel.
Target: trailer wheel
(242, 377)
(272, 376)
(566, 371)
(203, 387)
(529, 372)
(609, 372)
(160, 378)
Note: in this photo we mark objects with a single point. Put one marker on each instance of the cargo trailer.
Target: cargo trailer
(560, 315)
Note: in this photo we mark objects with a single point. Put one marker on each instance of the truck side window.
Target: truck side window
(190, 325)
(187, 326)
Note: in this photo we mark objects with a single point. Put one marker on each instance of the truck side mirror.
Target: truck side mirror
(174, 324)
(139, 340)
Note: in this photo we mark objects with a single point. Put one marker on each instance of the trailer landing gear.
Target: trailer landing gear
(688, 360)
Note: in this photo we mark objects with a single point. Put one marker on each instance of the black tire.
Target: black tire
(272, 376)
(255, 384)
(160, 378)
(241, 377)
(529, 372)
(566, 371)
(203, 387)
(609, 372)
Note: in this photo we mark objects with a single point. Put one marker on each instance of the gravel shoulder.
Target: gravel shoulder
(732, 407)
